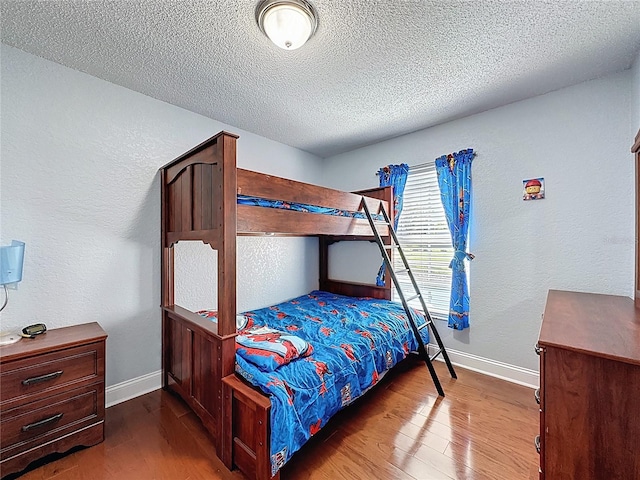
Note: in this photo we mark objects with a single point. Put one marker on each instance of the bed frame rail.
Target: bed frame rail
(253, 219)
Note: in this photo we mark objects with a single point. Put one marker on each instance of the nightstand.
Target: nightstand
(51, 394)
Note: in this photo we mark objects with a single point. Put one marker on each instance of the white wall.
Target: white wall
(79, 185)
(635, 118)
(581, 237)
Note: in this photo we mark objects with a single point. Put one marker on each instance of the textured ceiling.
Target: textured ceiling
(374, 69)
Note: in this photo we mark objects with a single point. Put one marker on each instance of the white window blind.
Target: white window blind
(425, 239)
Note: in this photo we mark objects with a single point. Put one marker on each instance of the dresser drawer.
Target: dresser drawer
(23, 380)
(51, 417)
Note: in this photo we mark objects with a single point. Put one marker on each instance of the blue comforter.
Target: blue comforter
(303, 207)
(353, 341)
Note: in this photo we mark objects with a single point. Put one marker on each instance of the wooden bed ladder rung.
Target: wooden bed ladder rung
(395, 244)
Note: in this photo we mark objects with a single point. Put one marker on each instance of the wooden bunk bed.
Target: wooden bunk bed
(199, 202)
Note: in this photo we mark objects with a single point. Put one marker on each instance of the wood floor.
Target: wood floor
(483, 429)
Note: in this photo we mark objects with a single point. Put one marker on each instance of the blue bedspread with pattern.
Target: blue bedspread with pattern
(302, 207)
(344, 344)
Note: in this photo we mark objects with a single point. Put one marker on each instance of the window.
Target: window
(426, 241)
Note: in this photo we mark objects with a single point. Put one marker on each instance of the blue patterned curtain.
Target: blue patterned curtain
(395, 176)
(454, 178)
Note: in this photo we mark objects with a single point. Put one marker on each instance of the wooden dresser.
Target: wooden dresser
(589, 393)
(51, 394)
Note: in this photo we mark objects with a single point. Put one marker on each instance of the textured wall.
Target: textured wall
(635, 105)
(79, 185)
(270, 270)
(581, 237)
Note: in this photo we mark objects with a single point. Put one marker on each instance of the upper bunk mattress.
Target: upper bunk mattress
(315, 354)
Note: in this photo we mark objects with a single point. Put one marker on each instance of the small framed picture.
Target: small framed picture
(533, 189)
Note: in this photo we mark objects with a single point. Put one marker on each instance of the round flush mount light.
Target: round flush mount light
(288, 23)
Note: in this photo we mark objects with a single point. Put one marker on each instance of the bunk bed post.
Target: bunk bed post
(226, 154)
(167, 279)
(167, 252)
(323, 254)
(227, 304)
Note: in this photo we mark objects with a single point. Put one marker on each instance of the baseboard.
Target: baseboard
(493, 368)
(123, 391)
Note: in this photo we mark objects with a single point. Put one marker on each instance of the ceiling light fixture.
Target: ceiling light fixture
(288, 23)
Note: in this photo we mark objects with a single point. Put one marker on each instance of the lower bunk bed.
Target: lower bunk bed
(311, 356)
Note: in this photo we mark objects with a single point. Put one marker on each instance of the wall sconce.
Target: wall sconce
(288, 23)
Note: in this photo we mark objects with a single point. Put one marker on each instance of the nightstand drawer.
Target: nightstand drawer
(50, 372)
(50, 417)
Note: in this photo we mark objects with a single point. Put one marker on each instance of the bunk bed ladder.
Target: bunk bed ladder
(395, 244)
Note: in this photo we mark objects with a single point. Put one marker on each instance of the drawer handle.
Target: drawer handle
(538, 349)
(42, 423)
(537, 395)
(536, 442)
(42, 378)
